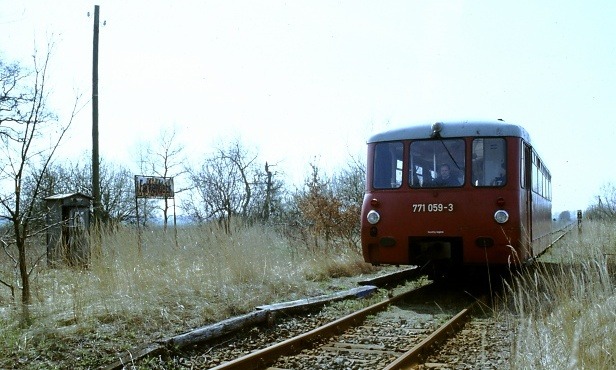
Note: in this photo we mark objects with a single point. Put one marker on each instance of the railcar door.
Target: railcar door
(527, 202)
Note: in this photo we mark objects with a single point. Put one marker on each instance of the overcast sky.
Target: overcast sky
(303, 79)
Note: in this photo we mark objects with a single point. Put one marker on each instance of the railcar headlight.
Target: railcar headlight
(373, 217)
(501, 216)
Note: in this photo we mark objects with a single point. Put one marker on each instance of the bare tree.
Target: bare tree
(328, 209)
(117, 194)
(268, 194)
(10, 77)
(605, 208)
(318, 207)
(30, 137)
(223, 186)
(349, 186)
(242, 163)
(166, 159)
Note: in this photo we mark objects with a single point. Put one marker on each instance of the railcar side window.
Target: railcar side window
(437, 163)
(489, 162)
(387, 172)
(541, 178)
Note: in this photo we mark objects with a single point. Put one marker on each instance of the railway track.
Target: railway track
(392, 334)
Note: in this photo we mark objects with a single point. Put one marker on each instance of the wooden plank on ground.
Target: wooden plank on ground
(217, 330)
(261, 315)
(309, 303)
(395, 277)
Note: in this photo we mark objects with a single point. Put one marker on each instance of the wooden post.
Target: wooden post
(175, 225)
(139, 244)
(96, 190)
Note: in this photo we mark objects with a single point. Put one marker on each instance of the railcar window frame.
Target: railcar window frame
(388, 163)
(425, 162)
(540, 178)
(493, 167)
(523, 165)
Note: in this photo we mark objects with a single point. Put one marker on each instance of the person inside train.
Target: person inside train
(445, 177)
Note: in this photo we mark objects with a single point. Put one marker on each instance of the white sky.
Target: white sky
(303, 79)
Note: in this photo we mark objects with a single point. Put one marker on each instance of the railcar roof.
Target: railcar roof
(453, 129)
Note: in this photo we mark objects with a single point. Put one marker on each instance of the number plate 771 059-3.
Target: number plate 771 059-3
(432, 207)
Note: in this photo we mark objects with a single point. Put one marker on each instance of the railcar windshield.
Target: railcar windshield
(387, 171)
(437, 163)
(489, 159)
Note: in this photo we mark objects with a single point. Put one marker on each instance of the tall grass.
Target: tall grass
(129, 295)
(567, 306)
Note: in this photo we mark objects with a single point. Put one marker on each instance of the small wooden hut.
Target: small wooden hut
(68, 222)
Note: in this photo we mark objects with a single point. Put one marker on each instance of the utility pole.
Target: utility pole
(96, 185)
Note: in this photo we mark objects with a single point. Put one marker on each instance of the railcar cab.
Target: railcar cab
(453, 194)
(439, 162)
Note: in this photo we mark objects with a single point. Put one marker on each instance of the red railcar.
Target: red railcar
(455, 194)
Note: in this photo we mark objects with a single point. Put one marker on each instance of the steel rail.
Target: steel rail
(564, 230)
(264, 357)
(424, 348)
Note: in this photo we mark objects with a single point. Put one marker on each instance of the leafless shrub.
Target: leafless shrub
(605, 207)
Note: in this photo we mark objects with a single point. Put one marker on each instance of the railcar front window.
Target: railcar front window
(437, 163)
(387, 171)
(489, 162)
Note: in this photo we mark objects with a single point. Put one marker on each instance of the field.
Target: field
(83, 318)
(565, 309)
(563, 313)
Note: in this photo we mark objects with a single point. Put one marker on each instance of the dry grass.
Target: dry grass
(567, 307)
(81, 318)
(566, 310)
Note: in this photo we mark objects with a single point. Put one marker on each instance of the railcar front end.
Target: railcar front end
(449, 195)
